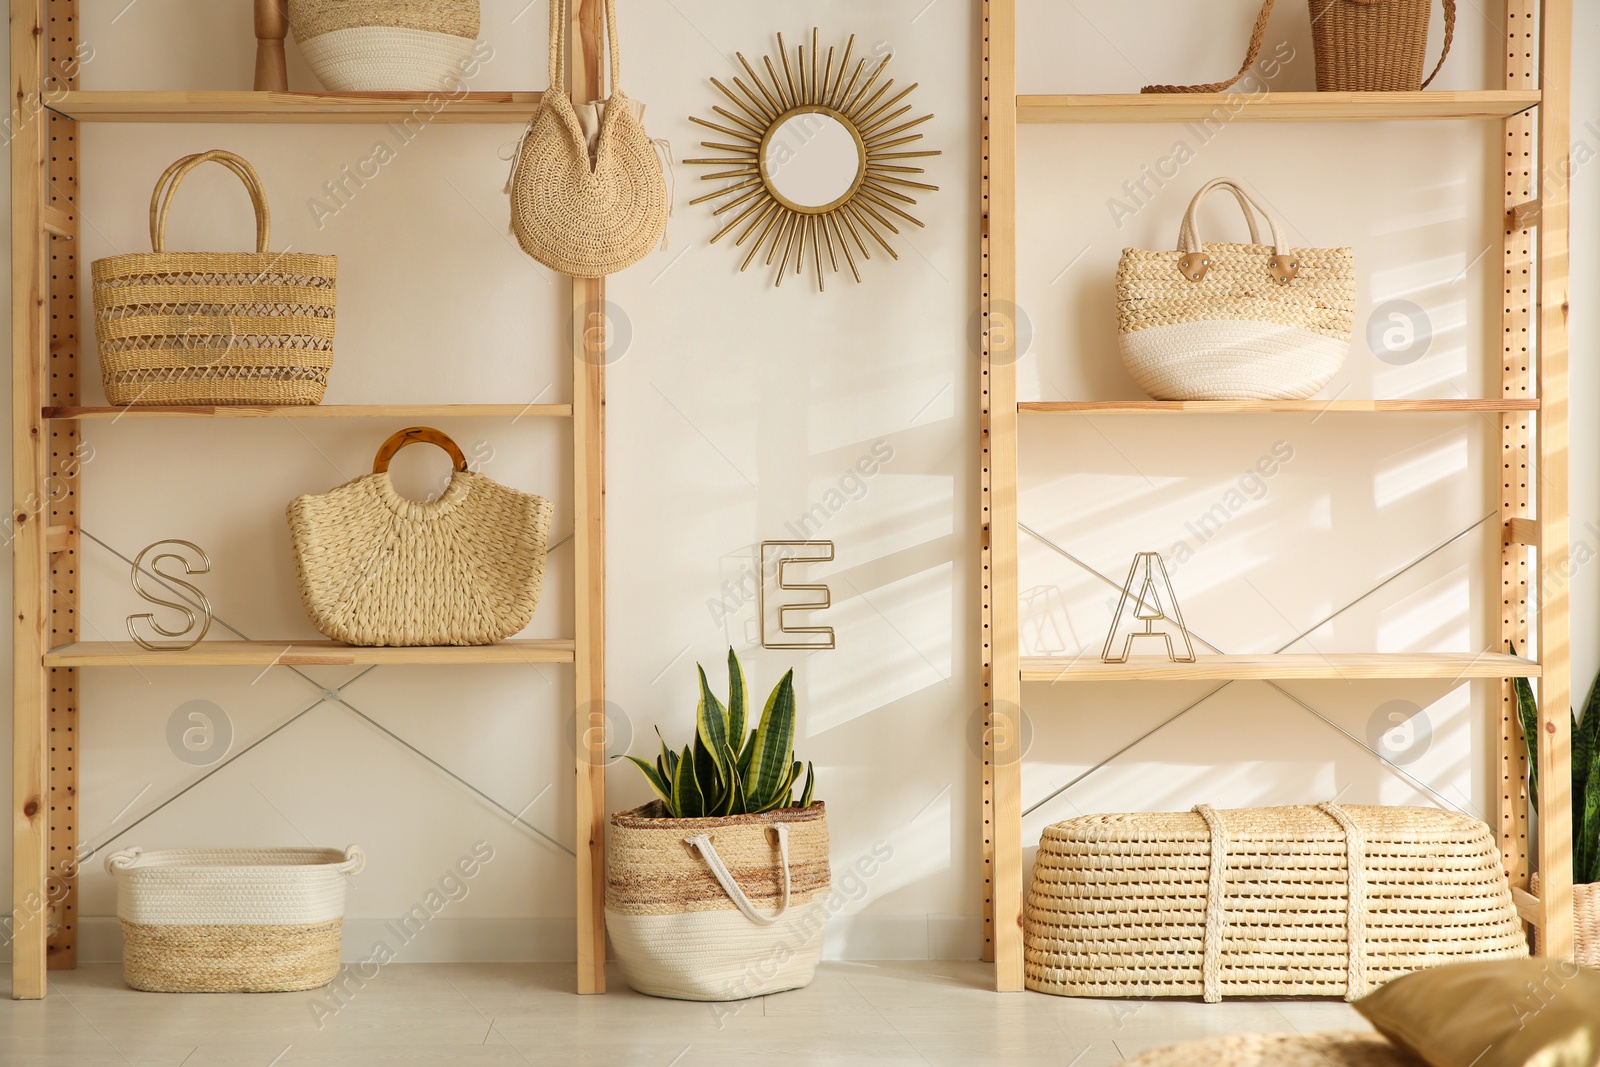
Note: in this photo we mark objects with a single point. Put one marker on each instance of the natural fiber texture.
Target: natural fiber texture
(230, 959)
(1256, 36)
(231, 920)
(678, 934)
(1375, 45)
(580, 216)
(208, 887)
(387, 59)
(310, 19)
(214, 327)
(1278, 1050)
(378, 569)
(1585, 922)
(1237, 333)
(1119, 903)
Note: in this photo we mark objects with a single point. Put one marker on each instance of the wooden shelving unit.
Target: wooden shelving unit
(1533, 108)
(47, 412)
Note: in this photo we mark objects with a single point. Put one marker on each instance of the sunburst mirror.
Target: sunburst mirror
(816, 169)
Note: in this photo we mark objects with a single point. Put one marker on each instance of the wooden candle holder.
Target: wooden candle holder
(272, 26)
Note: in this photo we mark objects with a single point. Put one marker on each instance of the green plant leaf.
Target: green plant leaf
(737, 805)
(811, 781)
(1585, 751)
(785, 791)
(662, 787)
(711, 729)
(1528, 712)
(774, 742)
(731, 794)
(687, 802)
(738, 703)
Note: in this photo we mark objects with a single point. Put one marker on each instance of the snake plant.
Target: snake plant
(732, 769)
(1585, 776)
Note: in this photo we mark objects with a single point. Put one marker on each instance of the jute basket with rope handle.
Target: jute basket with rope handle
(198, 328)
(579, 214)
(1361, 46)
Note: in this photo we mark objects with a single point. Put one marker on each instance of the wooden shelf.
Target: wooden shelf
(1275, 107)
(302, 654)
(1335, 667)
(1263, 407)
(320, 411)
(295, 107)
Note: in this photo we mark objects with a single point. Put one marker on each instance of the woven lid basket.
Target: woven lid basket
(371, 46)
(202, 328)
(375, 568)
(231, 920)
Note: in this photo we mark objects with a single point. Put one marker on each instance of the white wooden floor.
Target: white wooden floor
(501, 1014)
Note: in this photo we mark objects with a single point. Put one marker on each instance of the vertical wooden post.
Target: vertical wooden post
(1518, 186)
(30, 825)
(998, 352)
(65, 463)
(1555, 649)
(272, 66)
(590, 330)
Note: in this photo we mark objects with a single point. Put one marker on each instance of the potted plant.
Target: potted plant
(718, 889)
(1585, 812)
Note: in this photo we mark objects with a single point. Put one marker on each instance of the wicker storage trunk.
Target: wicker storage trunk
(1297, 901)
(231, 920)
(1585, 923)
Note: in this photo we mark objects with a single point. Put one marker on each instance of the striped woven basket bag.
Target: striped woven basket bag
(719, 908)
(199, 328)
(372, 46)
(1232, 321)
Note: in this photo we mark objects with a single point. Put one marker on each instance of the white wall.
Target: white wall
(736, 407)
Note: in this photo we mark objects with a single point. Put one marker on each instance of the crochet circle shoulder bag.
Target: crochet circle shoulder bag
(587, 202)
(376, 568)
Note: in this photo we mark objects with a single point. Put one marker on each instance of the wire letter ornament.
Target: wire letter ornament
(197, 624)
(1149, 575)
(809, 552)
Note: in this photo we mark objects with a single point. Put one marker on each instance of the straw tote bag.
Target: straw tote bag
(720, 908)
(378, 569)
(580, 212)
(197, 328)
(1235, 322)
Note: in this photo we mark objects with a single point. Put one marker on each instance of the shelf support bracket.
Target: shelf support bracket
(1524, 216)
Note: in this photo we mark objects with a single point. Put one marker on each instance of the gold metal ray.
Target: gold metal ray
(801, 92)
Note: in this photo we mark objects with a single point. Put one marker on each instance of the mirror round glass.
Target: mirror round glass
(812, 161)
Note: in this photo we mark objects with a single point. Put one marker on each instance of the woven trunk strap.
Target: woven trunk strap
(1355, 910)
(1355, 929)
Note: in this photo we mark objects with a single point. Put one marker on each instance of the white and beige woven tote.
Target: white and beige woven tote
(373, 46)
(1235, 322)
(587, 211)
(721, 908)
(231, 920)
(376, 568)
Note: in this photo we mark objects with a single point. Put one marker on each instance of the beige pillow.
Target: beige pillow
(1500, 1013)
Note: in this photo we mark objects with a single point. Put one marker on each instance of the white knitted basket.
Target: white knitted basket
(1235, 322)
(231, 920)
(372, 46)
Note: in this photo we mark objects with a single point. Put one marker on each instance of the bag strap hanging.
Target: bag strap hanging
(161, 199)
(719, 870)
(1256, 37)
(417, 435)
(558, 45)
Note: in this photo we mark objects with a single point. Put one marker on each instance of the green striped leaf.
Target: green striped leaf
(811, 781)
(687, 802)
(1528, 712)
(774, 742)
(738, 703)
(662, 787)
(711, 730)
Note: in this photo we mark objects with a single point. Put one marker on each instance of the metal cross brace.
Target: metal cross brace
(326, 695)
(1415, 782)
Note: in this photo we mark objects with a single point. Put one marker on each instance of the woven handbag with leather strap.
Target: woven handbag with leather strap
(587, 206)
(1361, 46)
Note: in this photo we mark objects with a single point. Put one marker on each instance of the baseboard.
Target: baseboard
(856, 937)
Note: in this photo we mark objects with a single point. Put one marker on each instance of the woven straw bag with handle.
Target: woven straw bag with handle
(718, 908)
(1361, 46)
(1235, 322)
(582, 212)
(214, 327)
(378, 569)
